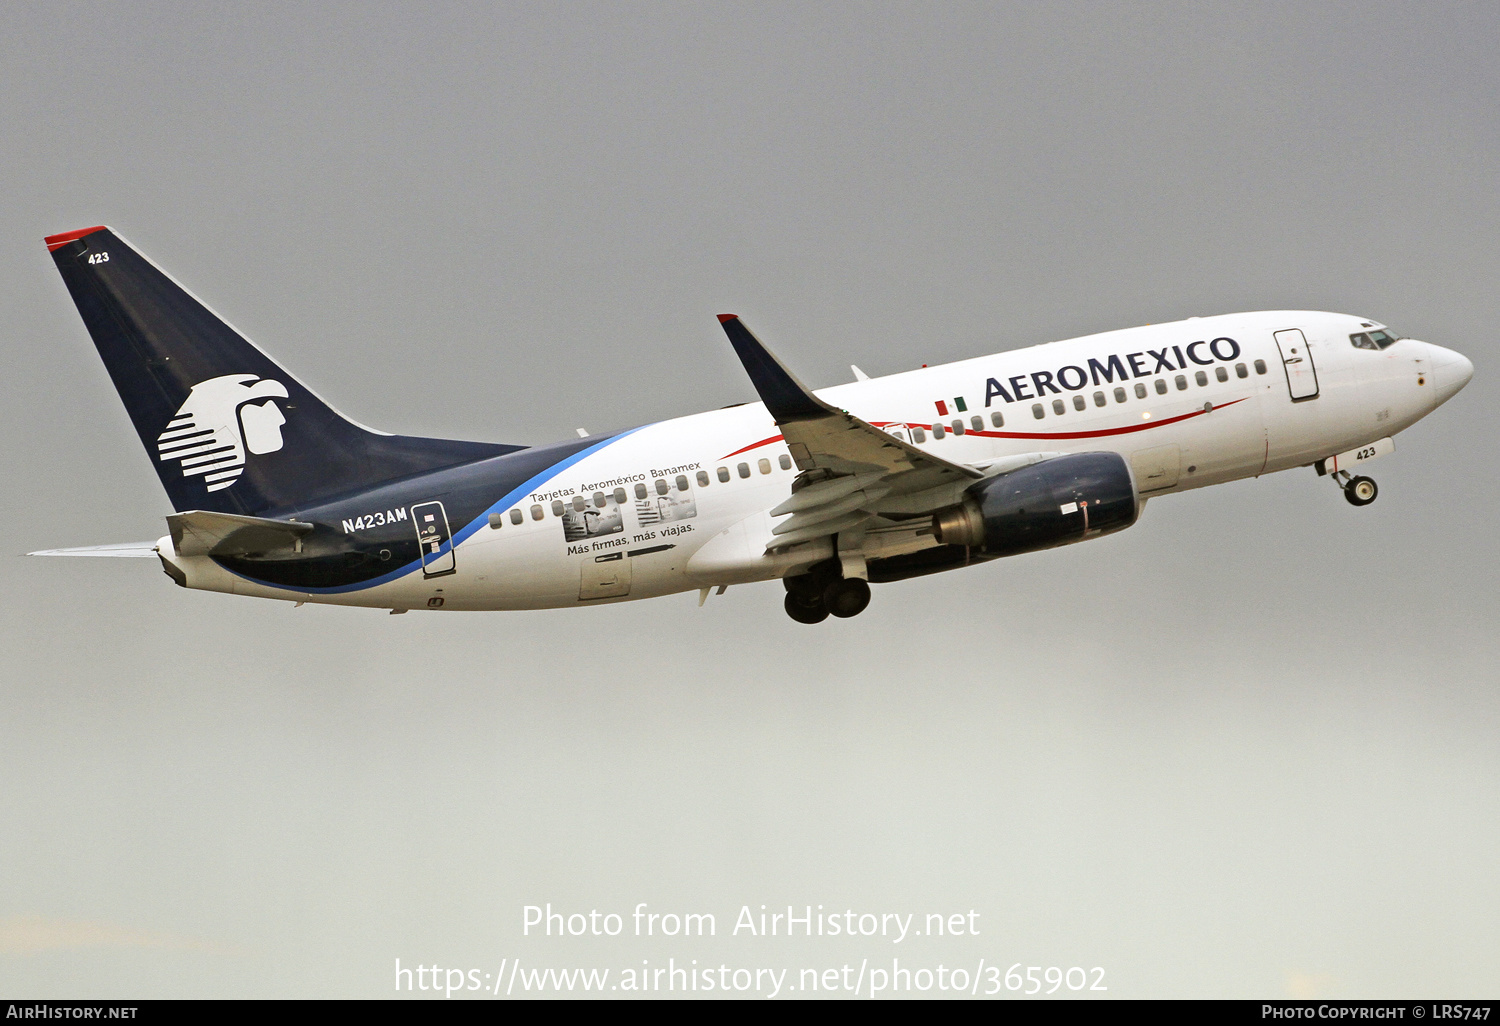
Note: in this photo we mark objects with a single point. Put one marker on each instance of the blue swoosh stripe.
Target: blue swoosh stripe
(467, 531)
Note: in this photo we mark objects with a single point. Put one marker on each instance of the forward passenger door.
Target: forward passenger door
(1297, 359)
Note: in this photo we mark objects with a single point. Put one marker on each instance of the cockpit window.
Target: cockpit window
(1372, 339)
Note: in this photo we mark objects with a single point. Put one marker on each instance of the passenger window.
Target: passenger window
(1362, 341)
(1037, 411)
(1241, 371)
(619, 496)
(785, 461)
(1058, 407)
(1260, 366)
(702, 479)
(537, 513)
(515, 515)
(977, 423)
(918, 435)
(599, 500)
(1140, 390)
(682, 484)
(997, 418)
(496, 519)
(1161, 386)
(1181, 382)
(1099, 399)
(764, 466)
(557, 507)
(958, 426)
(1078, 403)
(1119, 395)
(579, 505)
(640, 491)
(938, 431)
(1201, 377)
(662, 488)
(743, 469)
(723, 477)
(1222, 373)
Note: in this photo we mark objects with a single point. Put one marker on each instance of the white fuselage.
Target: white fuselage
(1188, 404)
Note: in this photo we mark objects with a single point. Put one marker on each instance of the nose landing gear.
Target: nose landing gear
(1360, 491)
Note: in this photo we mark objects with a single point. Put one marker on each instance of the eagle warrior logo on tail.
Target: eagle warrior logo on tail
(221, 418)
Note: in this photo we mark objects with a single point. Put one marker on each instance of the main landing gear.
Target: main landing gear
(813, 597)
(1360, 491)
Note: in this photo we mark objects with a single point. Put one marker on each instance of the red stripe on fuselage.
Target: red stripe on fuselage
(753, 445)
(1104, 433)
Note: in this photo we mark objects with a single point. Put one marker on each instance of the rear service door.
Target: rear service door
(1296, 357)
(434, 539)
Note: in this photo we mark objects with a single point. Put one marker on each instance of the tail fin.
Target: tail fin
(227, 427)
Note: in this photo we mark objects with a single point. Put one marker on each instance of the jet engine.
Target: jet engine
(1055, 502)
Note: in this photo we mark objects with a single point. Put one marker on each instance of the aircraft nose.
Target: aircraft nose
(1451, 371)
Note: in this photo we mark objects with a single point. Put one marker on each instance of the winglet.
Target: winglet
(786, 398)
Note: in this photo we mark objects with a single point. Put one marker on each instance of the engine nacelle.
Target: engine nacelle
(1056, 502)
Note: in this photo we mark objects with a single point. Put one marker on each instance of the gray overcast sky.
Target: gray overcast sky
(1246, 748)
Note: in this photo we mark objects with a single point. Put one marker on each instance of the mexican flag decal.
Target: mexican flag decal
(959, 406)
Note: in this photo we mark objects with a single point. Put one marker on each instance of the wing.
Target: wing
(852, 472)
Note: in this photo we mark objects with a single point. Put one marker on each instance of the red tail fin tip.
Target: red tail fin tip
(55, 241)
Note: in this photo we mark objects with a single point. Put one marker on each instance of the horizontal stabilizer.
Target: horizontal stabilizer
(127, 550)
(202, 533)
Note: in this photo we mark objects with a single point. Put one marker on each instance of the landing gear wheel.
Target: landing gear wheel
(1360, 491)
(847, 597)
(804, 612)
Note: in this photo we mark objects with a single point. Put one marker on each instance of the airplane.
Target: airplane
(278, 495)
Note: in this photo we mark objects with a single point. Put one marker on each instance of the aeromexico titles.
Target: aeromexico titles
(277, 495)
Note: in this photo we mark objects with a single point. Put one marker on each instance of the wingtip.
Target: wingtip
(726, 318)
(56, 241)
